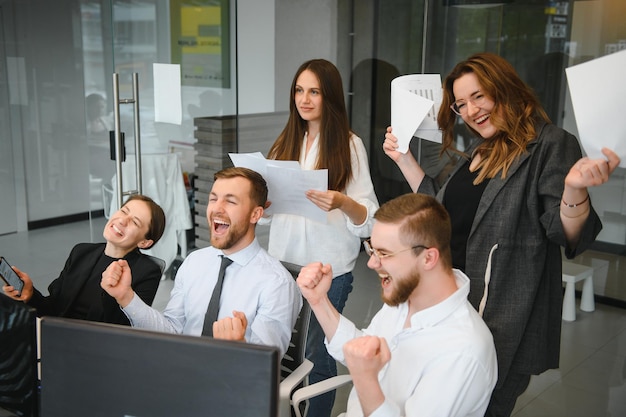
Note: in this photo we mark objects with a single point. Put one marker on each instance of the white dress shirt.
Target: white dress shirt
(300, 240)
(255, 283)
(443, 365)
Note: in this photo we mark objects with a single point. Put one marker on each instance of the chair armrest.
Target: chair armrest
(293, 379)
(288, 384)
(318, 388)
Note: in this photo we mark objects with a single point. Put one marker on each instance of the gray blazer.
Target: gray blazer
(514, 247)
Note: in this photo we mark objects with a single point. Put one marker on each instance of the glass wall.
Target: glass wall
(237, 59)
(8, 95)
(58, 58)
(540, 38)
(47, 116)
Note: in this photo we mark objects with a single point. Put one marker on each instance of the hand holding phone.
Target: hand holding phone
(9, 276)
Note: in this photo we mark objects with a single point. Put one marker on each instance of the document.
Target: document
(415, 102)
(287, 184)
(597, 89)
(287, 191)
(167, 93)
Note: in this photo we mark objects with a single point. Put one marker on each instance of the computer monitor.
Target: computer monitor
(18, 358)
(96, 369)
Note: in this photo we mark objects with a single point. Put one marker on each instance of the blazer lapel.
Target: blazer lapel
(495, 186)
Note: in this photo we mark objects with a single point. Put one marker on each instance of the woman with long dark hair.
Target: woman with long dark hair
(318, 135)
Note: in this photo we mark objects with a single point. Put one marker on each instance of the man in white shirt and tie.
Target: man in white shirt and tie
(259, 300)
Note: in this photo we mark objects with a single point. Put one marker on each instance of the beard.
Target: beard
(402, 289)
(233, 235)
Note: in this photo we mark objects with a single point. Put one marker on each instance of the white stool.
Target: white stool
(572, 273)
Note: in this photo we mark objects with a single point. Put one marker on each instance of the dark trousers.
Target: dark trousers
(503, 398)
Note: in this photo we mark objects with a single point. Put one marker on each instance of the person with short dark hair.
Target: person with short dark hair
(426, 352)
(259, 301)
(76, 293)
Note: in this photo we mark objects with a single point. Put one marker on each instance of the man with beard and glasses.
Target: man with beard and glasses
(259, 300)
(427, 352)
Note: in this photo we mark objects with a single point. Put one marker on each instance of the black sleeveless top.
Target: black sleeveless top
(461, 199)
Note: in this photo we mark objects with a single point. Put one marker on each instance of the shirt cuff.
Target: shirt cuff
(386, 409)
(364, 229)
(346, 330)
(134, 307)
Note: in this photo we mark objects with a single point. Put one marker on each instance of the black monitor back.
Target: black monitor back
(18, 357)
(96, 369)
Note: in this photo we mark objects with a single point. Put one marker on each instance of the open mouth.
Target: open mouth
(220, 226)
(385, 280)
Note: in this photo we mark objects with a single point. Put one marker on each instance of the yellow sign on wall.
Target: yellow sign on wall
(200, 42)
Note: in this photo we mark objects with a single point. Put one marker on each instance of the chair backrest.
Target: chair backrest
(295, 354)
(160, 262)
(18, 358)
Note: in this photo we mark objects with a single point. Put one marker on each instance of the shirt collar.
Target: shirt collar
(433, 315)
(245, 255)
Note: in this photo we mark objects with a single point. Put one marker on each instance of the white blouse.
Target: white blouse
(300, 240)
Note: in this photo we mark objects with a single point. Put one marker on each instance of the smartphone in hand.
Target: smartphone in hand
(9, 276)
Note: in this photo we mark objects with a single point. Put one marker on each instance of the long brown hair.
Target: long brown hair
(515, 113)
(334, 141)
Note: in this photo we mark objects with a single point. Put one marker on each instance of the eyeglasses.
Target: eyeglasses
(367, 244)
(460, 106)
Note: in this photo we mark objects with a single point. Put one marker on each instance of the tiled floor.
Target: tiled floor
(590, 382)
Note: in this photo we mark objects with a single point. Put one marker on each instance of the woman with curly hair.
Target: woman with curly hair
(515, 197)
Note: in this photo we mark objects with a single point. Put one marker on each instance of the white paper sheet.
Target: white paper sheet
(257, 162)
(415, 101)
(287, 188)
(167, 93)
(254, 161)
(287, 184)
(598, 88)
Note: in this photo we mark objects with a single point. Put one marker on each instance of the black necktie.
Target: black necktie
(214, 304)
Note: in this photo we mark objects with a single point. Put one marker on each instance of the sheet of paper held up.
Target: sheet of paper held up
(167, 93)
(287, 184)
(597, 89)
(415, 101)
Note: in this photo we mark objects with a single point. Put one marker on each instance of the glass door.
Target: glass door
(97, 64)
(189, 40)
(127, 37)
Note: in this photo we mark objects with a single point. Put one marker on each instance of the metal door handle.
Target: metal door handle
(118, 136)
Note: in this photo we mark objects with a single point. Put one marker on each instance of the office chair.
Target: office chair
(293, 391)
(160, 262)
(18, 359)
(295, 354)
(313, 390)
(294, 367)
